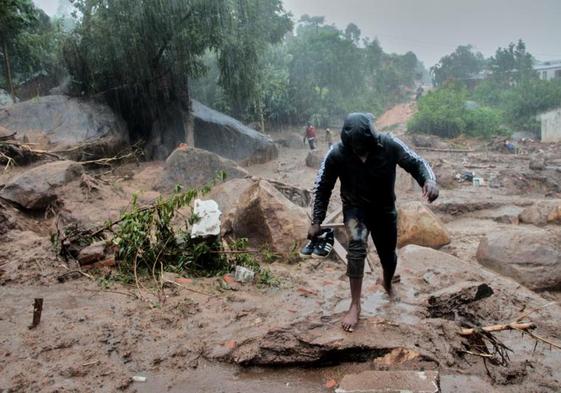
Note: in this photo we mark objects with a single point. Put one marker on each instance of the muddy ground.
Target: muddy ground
(95, 336)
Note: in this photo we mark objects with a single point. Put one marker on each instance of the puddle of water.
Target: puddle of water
(378, 304)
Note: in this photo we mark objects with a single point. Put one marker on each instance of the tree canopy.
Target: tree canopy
(460, 65)
(141, 53)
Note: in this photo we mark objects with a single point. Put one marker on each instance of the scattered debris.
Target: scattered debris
(37, 311)
(243, 274)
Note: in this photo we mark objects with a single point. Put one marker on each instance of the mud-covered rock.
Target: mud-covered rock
(266, 217)
(542, 213)
(36, 188)
(191, 167)
(93, 253)
(291, 140)
(228, 137)
(418, 225)
(5, 98)
(62, 123)
(531, 257)
(537, 163)
(314, 159)
(430, 141)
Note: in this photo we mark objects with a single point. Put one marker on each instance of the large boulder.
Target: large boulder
(36, 188)
(5, 98)
(192, 167)
(418, 225)
(542, 213)
(226, 136)
(314, 159)
(530, 256)
(60, 123)
(291, 140)
(266, 217)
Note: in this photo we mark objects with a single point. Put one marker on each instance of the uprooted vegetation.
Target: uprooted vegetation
(146, 242)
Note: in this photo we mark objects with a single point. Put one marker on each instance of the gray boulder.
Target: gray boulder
(61, 123)
(542, 213)
(292, 140)
(530, 256)
(5, 98)
(314, 159)
(226, 136)
(36, 188)
(192, 167)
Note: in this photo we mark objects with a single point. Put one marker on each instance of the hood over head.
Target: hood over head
(358, 133)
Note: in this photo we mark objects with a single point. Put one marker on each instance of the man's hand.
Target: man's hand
(314, 230)
(430, 191)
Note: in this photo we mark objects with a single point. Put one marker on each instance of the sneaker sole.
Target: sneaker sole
(315, 256)
(305, 255)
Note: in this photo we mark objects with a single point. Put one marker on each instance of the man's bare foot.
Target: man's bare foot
(351, 319)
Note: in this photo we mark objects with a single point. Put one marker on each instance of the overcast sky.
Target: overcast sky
(433, 28)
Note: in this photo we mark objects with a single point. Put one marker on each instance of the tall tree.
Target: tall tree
(512, 64)
(15, 16)
(460, 65)
(141, 53)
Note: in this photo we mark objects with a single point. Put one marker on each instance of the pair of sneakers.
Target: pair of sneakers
(320, 246)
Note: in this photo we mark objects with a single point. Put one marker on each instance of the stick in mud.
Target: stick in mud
(37, 310)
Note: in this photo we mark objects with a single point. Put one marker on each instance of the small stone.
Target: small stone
(92, 253)
(330, 384)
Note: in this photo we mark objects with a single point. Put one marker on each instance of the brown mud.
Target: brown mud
(94, 336)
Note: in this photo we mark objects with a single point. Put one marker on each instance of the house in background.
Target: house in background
(551, 125)
(549, 70)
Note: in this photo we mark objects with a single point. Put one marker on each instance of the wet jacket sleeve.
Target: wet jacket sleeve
(415, 165)
(325, 181)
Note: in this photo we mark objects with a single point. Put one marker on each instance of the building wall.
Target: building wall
(551, 126)
(550, 74)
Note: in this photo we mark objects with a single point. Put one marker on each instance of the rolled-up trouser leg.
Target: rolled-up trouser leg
(357, 233)
(383, 227)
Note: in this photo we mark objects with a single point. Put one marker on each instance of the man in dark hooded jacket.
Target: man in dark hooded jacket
(365, 163)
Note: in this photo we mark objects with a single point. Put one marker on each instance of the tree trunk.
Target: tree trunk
(187, 115)
(7, 70)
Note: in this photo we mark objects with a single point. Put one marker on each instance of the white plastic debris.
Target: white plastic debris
(243, 274)
(478, 181)
(139, 378)
(208, 219)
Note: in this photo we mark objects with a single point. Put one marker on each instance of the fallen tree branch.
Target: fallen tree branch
(7, 137)
(533, 310)
(109, 160)
(498, 328)
(543, 340)
(25, 147)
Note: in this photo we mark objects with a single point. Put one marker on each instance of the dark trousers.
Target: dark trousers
(312, 143)
(382, 226)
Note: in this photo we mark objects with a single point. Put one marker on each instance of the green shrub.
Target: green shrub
(527, 100)
(444, 113)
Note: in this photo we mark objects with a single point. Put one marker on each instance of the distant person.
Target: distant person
(310, 136)
(419, 93)
(365, 163)
(328, 137)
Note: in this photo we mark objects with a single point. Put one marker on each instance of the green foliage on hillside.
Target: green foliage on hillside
(318, 74)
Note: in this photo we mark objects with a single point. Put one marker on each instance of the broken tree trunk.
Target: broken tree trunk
(37, 311)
